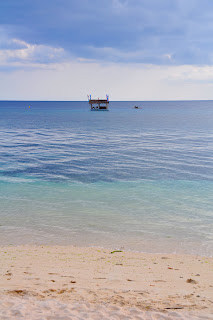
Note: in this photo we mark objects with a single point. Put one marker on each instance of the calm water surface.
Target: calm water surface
(134, 179)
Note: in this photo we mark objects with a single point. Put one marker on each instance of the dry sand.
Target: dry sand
(54, 282)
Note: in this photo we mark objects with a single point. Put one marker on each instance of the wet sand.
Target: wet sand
(53, 282)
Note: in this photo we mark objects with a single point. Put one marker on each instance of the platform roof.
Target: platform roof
(98, 101)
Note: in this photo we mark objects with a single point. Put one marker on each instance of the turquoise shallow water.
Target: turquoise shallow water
(134, 179)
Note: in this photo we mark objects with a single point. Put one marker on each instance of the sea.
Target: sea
(126, 179)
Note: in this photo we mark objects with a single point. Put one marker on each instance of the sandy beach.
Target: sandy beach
(55, 282)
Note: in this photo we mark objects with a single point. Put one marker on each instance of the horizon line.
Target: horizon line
(176, 100)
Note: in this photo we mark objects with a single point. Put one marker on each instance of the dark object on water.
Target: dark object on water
(97, 105)
(137, 107)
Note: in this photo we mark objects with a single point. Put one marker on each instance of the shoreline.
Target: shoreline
(108, 248)
(102, 277)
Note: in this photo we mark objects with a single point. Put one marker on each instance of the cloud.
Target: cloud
(19, 53)
(152, 28)
(73, 81)
(140, 49)
(121, 56)
(192, 74)
(119, 4)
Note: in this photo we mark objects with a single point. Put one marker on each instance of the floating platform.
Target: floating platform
(99, 105)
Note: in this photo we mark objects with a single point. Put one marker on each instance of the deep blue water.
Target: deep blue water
(139, 179)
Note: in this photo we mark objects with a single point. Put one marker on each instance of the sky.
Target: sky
(129, 49)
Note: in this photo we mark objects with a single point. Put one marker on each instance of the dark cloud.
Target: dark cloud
(149, 31)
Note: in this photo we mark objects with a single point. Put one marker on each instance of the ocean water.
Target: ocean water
(134, 179)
